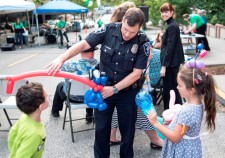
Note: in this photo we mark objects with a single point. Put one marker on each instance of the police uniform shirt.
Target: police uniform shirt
(119, 57)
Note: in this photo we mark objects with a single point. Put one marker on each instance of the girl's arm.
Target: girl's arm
(174, 136)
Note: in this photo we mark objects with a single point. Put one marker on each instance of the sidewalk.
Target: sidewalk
(216, 57)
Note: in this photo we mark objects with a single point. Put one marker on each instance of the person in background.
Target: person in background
(142, 121)
(27, 136)
(202, 13)
(172, 55)
(99, 22)
(158, 41)
(198, 24)
(25, 25)
(61, 25)
(80, 67)
(124, 54)
(183, 133)
(19, 29)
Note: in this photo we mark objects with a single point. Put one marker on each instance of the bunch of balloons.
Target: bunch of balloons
(194, 63)
(93, 97)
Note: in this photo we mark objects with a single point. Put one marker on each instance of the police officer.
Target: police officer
(124, 54)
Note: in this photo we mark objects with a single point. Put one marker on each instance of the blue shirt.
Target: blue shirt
(80, 67)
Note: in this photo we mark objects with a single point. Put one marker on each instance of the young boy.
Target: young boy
(27, 136)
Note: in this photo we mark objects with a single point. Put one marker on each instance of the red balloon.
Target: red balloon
(12, 79)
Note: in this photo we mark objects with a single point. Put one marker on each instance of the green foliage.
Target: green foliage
(154, 13)
(181, 7)
(215, 10)
(39, 2)
(213, 20)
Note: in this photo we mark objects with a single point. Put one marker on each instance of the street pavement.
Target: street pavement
(58, 142)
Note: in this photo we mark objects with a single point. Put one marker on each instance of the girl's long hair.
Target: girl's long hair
(204, 86)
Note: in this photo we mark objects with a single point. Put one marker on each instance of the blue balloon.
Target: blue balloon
(151, 42)
(200, 46)
(99, 97)
(97, 80)
(93, 105)
(144, 102)
(102, 107)
(94, 99)
(189, 58)
(103, 80)
(160, 119)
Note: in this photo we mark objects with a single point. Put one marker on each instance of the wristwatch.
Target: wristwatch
(115, 90)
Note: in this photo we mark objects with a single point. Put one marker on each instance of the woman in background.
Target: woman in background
(172, 55)
(19, 29)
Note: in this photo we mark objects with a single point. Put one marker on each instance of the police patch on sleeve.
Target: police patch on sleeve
(147, 48)
(101, 29)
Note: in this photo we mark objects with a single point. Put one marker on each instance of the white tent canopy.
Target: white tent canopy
(14, 6)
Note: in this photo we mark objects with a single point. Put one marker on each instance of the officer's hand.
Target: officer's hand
(163, 71)
(54, 66)
(107, 92)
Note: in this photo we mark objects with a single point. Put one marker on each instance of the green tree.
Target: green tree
(154, 13)
(215, 10)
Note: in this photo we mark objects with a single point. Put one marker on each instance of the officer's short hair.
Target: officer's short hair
(134, 16)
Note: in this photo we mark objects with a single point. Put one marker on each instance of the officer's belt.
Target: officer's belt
(112, 83)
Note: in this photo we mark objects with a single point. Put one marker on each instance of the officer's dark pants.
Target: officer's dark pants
(170, 83)
(61, 37)
(201, 30)
(127, 112)
(60, 97)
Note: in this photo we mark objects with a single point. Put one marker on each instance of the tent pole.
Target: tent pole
(28, 20)
(36, 16)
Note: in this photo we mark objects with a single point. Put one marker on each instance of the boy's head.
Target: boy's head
(30, 97)
(89, 53)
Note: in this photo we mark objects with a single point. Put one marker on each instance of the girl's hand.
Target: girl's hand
(152, 117)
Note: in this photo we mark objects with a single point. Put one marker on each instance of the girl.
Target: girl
(183, 139)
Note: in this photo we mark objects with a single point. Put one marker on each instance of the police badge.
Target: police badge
(134, 48)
